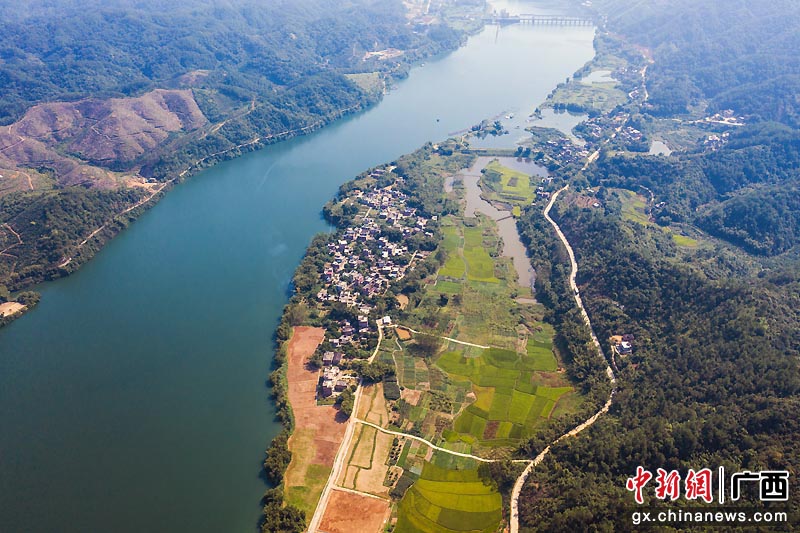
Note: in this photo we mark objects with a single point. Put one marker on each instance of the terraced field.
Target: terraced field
(510, 400)
(445, 500)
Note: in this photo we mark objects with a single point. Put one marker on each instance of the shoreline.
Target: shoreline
(84, 251)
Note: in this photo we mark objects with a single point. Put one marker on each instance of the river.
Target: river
(133, 398)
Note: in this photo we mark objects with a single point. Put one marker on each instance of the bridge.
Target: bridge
(539, 20)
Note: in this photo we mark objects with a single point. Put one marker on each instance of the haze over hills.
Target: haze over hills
(732, 55)
(105, 102)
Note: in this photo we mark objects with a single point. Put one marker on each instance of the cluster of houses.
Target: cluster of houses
(364, 260)
(631, 134)
(715, 142)
(565, 151)
(383, 55)
(541, 193)
(333, 379)
(727, 117)
(598, 128)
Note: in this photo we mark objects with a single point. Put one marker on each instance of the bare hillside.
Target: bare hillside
(78, 143)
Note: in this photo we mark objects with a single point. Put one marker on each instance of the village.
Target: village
(365, 260)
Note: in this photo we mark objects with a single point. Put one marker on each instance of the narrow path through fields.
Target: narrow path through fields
(432, 445)
(445, 338)
(341, 454)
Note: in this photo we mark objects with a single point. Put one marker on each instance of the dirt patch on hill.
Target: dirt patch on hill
(403, 334)
(348, 513)
(402, 301)
(80, 141)
(318, 429)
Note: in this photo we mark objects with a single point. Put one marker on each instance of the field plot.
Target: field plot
(634, 209)
(472, 398)
(350, 513)
(467, 254)
(454, 267)
(509, 400)
(508, 186)
(686, 242)
(480, 265)
(318, 432)
(373, 405)
(446, 500)
(367, 466)
(633, 206)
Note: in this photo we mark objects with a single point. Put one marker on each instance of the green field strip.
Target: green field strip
(500, 407)
(521, 404)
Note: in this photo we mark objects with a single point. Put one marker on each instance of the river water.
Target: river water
(133, 398)
(506, 223)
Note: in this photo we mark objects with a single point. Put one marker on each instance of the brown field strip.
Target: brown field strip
(318, 432)
(350, 513)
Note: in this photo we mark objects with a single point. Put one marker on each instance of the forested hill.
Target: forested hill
(735, 54)
(103, 103)
(714, 377)
(69, 49)
(708, 57)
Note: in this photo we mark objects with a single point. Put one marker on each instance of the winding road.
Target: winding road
(515, 493)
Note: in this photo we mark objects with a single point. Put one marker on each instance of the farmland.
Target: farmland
(447, 500)
(634, 209)
(508, 186)
(467, 255)
(476, 373)
(510, 400)
(498, 380)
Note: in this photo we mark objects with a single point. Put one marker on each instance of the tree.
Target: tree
(280, 518)
(425, 345)
(346, 401)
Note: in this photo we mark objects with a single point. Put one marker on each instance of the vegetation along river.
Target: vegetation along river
(133, 398)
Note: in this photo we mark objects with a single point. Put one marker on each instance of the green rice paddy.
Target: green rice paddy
(508, 404)
(446, 500)
(508, 185)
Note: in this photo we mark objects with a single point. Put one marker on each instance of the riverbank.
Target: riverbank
(199, 147)
(373, 213)
(516, 252)
(215, 256)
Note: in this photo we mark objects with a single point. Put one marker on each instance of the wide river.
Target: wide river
(133, 398)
